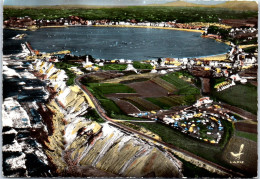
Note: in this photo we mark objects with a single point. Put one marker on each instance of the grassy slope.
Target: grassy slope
(99, 89)
(243, 96)
(107, 88)
(114, 67)
(235, 5)
(200, 148)
(187, 94)
(139, 65)
(184, 88)
(247, 135)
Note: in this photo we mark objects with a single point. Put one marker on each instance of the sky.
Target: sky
(99, 2)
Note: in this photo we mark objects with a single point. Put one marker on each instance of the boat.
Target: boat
(33, 88)
(19, 36)
(22, 83)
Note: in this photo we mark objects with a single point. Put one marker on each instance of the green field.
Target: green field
(139, 106)
(242, 96)
(139, 65)
(208, 151)
(192, 171)
(184, 88)
(99, 89)
(152, 14)
(119, 67)
(108, 88)
(186, 93)
(250, 136)
(168, 102)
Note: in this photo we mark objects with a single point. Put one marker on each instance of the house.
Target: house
(203, 101)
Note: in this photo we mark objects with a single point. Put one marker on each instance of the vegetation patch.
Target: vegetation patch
(184, 73)
(242, 96)
(208, 151)
(64, 66)
(142, 104)
(159, 103)
(247, 135)
(99, 89)
(168, 102)
(108, 88)
(136, 104)
(110, 107)
(184, 88)
(93, 115)
(133, 126)
(119, 67)
(251, 49)
(192, 171)
(139, 65)
(134, 80)
(141, 13)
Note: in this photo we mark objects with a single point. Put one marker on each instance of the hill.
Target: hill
(234, 5)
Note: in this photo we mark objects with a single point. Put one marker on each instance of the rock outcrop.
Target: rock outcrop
(76, 143)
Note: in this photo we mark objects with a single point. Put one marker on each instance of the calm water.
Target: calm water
(117, 43)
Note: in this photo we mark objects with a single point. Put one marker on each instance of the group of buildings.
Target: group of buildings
(26, 21)
(203, 120)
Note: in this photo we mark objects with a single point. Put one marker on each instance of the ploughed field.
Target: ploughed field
(154, 93)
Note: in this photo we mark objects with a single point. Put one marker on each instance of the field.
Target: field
(119, 67)
(107, 88)
(184, 88)
(148, 89)
(167, 86)
(242, 96)
(142, 13)
(126, 106)
(139, 65)
(247, 135)
(142, 104)
(145, 94)
(246, 127)
(101, 76)
(200, 148)
(99, 89)
(168, 102)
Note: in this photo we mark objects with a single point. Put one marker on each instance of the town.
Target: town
(69, 111)
(189, 120)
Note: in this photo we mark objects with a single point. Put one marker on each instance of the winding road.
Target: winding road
(102, 113)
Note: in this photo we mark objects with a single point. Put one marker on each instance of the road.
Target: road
(102, 114)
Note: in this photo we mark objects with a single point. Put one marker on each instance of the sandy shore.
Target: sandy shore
(133, 26)
(250, 45)
(151, 27)
(220, 57)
